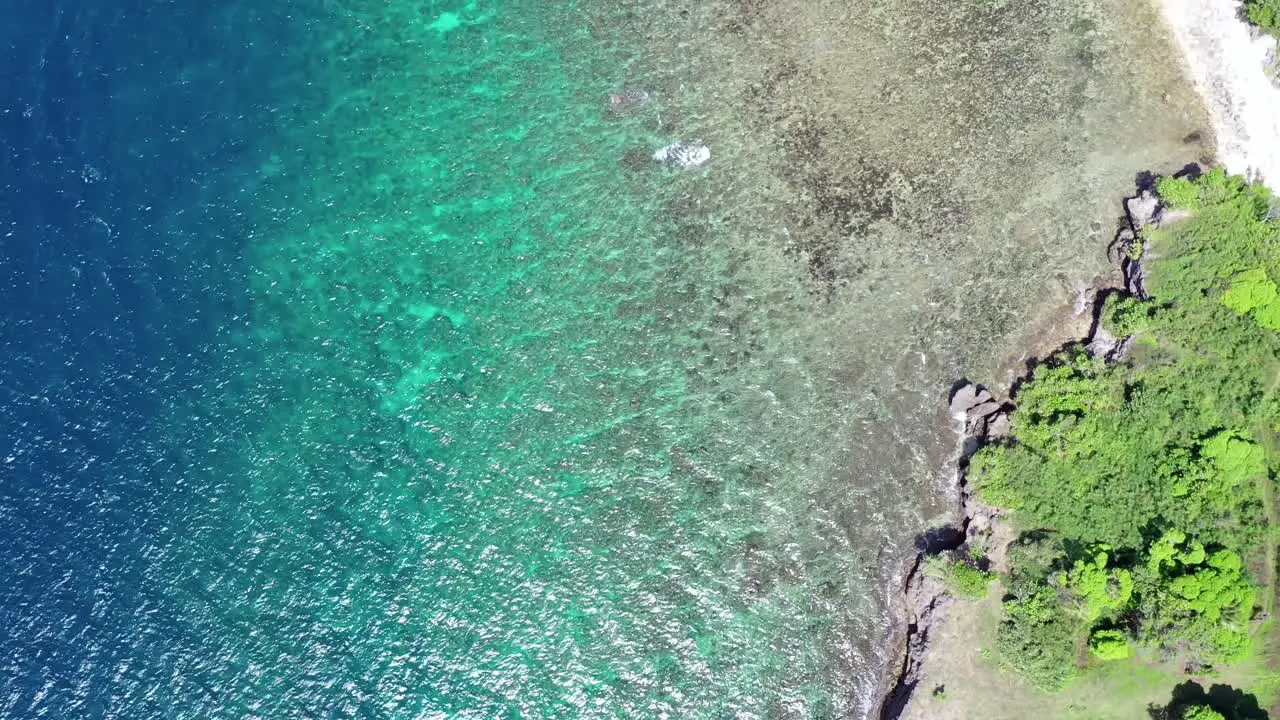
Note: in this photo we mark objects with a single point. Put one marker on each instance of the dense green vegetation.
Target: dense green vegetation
(1264, 13)
(1144, 485)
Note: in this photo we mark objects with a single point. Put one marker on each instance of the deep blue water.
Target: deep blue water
(127, 128)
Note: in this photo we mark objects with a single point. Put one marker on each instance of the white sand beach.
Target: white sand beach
(1226, 60)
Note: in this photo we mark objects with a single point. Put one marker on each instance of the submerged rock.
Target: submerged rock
(683, 155)
(629, 101)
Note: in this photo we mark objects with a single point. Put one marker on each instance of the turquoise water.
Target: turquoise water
(513, 396)
(364, 366)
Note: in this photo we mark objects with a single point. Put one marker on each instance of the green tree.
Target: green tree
(1098, 591)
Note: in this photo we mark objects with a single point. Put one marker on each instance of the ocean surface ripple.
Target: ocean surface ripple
(359, 362)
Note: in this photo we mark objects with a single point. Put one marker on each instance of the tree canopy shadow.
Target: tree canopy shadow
(1232, 703)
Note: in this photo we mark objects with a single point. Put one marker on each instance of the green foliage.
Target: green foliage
(1128, 316)
(1238, 461)
(1110, 645)
(1173, 550)
(1200, 712)
(1249, 289)
(1268, 316)
(1148, 474)
(1035, 638)
(1179, 193)
(1264, 13)
(1098, 591)
(961, 578)
(1196, 600)
(1037, 555)
(1253, 292)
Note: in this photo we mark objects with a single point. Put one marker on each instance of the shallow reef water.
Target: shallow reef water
(361, 363)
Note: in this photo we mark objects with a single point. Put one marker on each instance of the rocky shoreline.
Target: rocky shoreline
(980, 417)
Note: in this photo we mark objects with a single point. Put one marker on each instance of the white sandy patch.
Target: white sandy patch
(1226, 63)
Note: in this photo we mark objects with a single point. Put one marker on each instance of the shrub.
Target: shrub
(961, 578)
(1099, 591)
(1248, 290)
(1110, 645)
(1036, 639)
(1196, 600)
(1127, 316)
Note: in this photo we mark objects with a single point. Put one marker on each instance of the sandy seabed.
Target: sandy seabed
(1226, 60)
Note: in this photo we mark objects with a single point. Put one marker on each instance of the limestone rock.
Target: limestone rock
(984, 410)
(1123, 349)
(998, 426)
(1119, 248)
(1143, 210)
(1103, 343)
(965, 398)
(926, 603)
(1135, 278)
